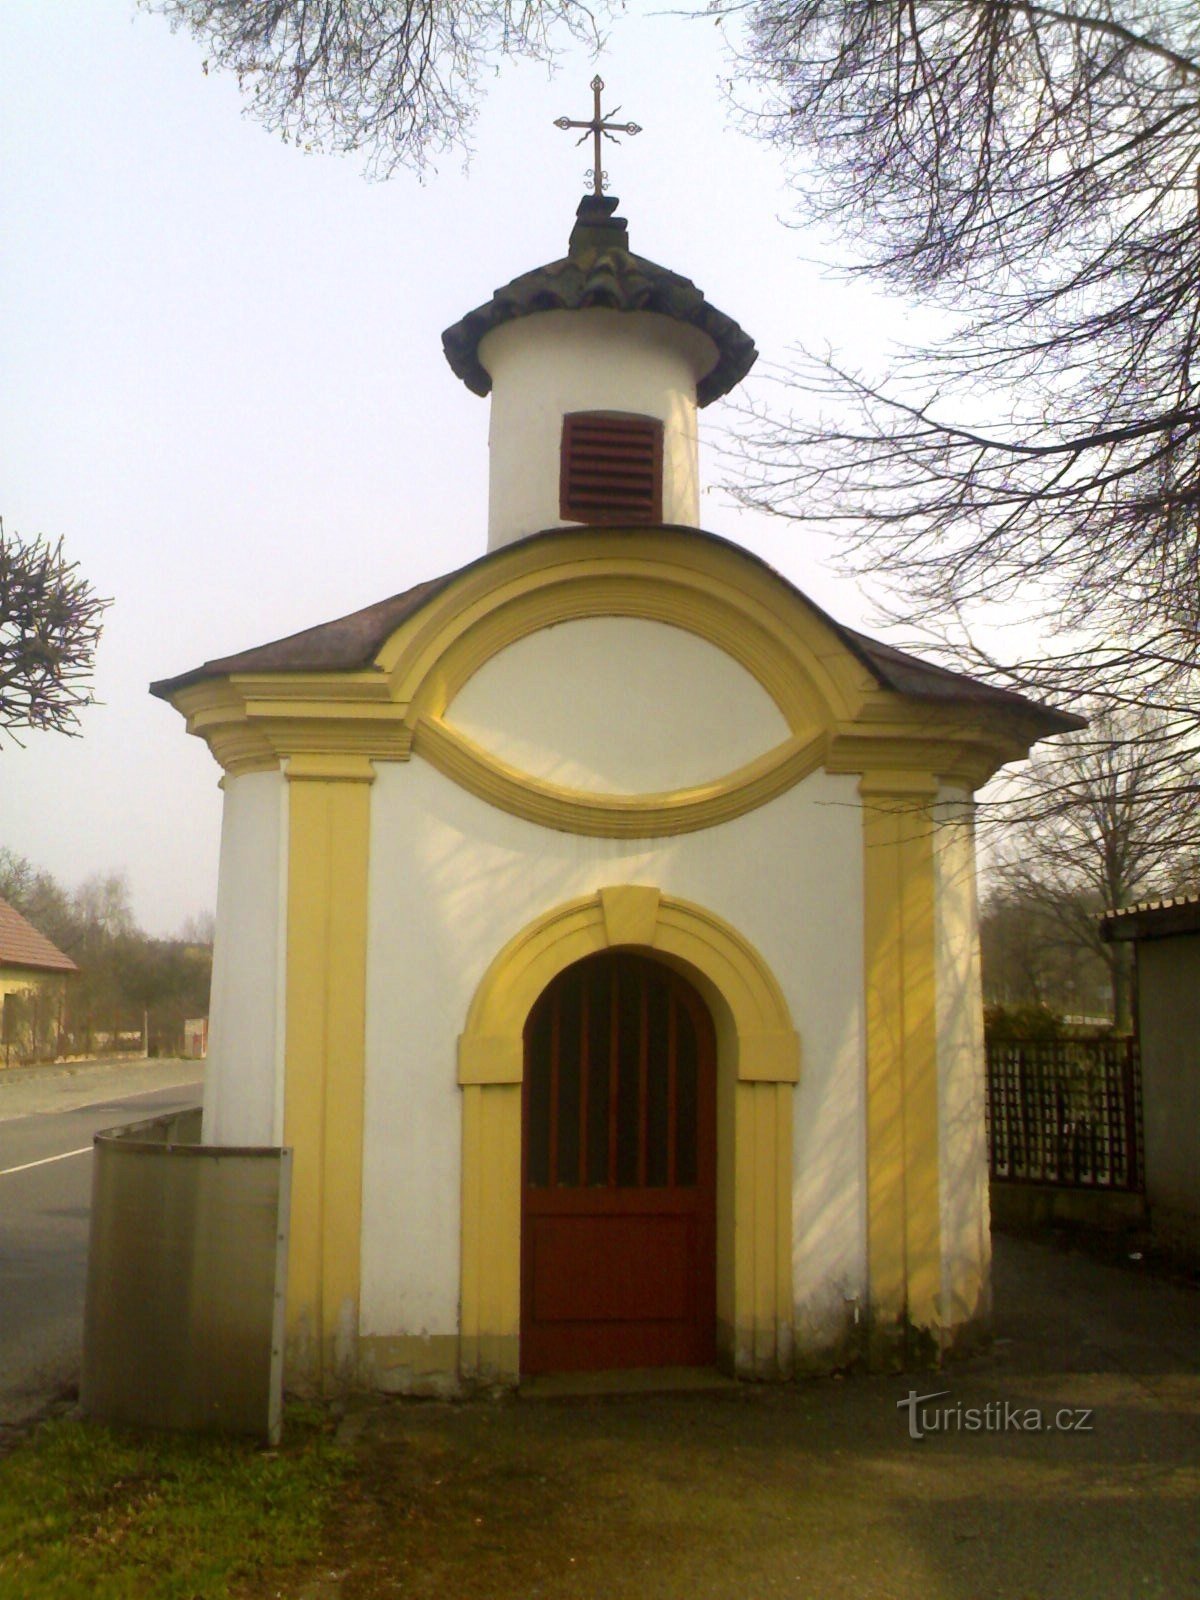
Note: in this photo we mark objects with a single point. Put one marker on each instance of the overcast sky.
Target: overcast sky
(221, 378)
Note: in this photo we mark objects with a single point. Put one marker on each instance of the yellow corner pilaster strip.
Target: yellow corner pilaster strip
(922, 1211)
(328, 851)
(903, 1219)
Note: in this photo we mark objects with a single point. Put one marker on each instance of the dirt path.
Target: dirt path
(814, 1490)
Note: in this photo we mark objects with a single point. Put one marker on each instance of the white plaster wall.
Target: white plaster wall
(452, 880)
(597, 704)
(962, 1167)
(243, 1076)
(555, 362)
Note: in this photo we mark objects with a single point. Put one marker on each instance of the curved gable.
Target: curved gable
(382, 684)
(705, 686)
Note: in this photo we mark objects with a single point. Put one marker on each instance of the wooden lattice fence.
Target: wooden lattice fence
(1065, 1112)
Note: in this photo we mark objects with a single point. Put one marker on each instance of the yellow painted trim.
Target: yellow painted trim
(330, 768)
(216, 713)
(254, 724)
(762, 1317)
(903, 1209)
(630, 913)
(328, 847)
(757, 1068)
(795, 657)
(615, 816)
(410, 1364)
(483, 1058)
(959, 746)
(704, 941)
(768, 1056)
(838, 715)
(490, 1269)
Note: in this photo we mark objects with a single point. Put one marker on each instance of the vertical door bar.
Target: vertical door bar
(672, 1048)
(585, 1012)
(643, 1072)
(555, 1033)
(614, 1063)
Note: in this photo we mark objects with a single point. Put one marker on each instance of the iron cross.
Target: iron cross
(599, 127)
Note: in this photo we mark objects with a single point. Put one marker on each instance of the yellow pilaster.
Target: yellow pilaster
(903, 1219)
(763, 1229)
(491, 1197)
(329, 837)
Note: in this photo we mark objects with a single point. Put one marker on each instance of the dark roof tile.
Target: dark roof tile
(599, 270)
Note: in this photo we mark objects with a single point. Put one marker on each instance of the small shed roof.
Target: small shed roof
(21, 945)
(1152, 919)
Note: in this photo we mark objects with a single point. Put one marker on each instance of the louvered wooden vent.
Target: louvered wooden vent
(611, 468)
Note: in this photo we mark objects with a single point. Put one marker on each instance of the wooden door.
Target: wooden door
(618, 1225)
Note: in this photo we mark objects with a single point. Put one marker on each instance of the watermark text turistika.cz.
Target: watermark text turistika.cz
(997, 1416)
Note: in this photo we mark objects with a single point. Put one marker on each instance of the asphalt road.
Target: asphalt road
(48, 1117)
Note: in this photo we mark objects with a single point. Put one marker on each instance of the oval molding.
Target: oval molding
(611, 816)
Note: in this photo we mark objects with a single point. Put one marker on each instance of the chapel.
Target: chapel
(597, 923)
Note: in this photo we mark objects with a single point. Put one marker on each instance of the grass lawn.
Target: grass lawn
(90, 1511)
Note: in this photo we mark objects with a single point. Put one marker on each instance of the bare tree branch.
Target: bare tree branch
(398, 79)
(50, 624)
(1033, 170)
(1105, 819)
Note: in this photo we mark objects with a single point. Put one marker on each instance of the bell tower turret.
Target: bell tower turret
(596, 365)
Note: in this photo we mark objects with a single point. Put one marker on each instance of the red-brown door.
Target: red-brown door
(618, 1224)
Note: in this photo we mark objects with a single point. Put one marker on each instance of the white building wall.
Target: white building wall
(244, 1074)
(564, 706)
(554, 362)
(962, 1167)
(452, 880)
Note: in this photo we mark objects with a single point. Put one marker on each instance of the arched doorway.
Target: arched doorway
(618, 1193)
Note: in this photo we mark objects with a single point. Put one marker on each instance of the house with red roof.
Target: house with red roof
(33, 986)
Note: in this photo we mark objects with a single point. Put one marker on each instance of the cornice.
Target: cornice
(258, 724)
(898, 735)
